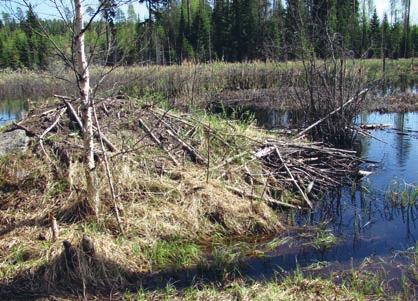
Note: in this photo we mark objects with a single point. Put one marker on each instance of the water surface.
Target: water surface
(11, 110)
(362, 217)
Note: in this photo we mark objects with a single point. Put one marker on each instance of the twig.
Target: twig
(73, 113)
(75, 116)
(330, 114)
(293, 179)
(157, 141)
(53, 125)
(229, 160)
(108, 173)
(252, 196)
(198, 158)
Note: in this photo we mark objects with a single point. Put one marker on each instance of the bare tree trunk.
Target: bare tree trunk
(83, 81)
(407, 9)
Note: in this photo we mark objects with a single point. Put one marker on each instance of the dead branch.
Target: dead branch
(157, 141)
(192, 152)
(331, 113)
(293, 179)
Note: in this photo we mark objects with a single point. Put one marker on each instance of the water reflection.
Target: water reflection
(402, 87)
(402, 139)
(367, 221)
(11, 110)
(361, 212)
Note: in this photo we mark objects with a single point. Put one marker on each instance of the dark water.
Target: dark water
(11, 110)
(362, 217)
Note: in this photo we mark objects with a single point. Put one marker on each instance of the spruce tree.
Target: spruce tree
(374, 36)
(385, 36)
(200, 38)
(221, 29)
(295, 29)
(275, 38)
(248, 35)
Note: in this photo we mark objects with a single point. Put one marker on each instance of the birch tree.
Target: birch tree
(78, 61)
(83, 82)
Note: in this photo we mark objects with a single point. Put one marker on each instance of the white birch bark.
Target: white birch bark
(83, 81)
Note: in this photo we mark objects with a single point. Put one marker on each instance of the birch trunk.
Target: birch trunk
(83, 81)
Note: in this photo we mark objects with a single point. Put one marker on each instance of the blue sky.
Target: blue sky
(46, 10)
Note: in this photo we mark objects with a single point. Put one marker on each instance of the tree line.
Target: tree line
(227, 30)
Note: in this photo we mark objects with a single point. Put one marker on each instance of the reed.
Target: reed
(402, 195)
(185, 85)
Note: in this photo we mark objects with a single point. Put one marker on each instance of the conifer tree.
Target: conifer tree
(221, 29)
(200, 37)
(295, 29)
(374, 36)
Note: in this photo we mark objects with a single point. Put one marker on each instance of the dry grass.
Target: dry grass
(170, 213)
(191, 85)
(173, 216)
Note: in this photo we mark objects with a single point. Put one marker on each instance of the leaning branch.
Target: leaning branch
(157, 141)
(331, 113)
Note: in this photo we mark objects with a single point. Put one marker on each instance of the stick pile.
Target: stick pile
(308, 169)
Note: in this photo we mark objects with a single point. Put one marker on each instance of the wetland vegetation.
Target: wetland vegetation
(237, 179)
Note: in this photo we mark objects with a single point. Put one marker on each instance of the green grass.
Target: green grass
(174, 253)
(402, 195)
(292, 288)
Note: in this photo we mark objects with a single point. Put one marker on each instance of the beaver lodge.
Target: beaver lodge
(174, 177)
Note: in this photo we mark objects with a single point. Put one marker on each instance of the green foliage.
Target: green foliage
(192, 30)
(375, 35)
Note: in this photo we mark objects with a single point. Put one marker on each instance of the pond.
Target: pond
(367, 218)
(11, 110)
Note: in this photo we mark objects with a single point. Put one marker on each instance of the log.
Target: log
(375, 126)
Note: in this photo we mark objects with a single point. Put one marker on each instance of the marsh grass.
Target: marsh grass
(186, 85)
(175, 254)
(291, 288)
(402, 195)
(320, 237)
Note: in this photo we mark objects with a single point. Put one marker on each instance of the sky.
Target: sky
(45, 9)
(383, 6)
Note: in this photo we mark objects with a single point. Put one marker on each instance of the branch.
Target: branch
(330, 114)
